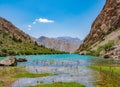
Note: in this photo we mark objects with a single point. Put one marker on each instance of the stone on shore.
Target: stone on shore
(21, 60)
(10, 61)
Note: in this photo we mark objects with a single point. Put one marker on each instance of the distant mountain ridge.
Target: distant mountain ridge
(70, 39)
(66, 44)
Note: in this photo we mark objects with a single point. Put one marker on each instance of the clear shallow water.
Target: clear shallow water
(69, 67)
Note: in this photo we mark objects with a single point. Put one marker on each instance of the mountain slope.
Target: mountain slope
(104, 31)
(70, 40)
(14, 41)
(57, 44)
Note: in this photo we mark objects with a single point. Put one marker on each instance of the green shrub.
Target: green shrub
(4, 50)
(109, 44)
(119, 37)
(102, 48)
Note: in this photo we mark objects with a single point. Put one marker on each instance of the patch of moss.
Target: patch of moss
(26, 74)
(61, 84)
(106, 68)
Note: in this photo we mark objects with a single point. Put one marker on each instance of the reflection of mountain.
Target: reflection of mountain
(66, 44)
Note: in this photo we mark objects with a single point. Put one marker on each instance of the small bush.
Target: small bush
(119, 37)
(4, 50)
(102, 48)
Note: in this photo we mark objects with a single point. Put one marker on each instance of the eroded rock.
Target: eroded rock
(21, 60)
(10, 61)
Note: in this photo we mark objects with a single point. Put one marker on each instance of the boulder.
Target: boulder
(10, 61)
(106, 56)
(83, 53)
(21, 60)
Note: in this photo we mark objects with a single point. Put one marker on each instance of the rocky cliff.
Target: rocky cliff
(57, 44)
(107, 22)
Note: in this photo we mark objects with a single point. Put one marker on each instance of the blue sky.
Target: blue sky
(52, 18)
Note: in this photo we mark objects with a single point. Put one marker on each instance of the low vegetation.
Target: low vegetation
(101, 48)
(60, 84)
(106, 68)
(119, 37)
(109, 76)
(27, 74)
(12, 45)
(9, 74)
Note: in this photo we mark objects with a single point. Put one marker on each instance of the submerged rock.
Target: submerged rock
(10, 61)
(21, 60)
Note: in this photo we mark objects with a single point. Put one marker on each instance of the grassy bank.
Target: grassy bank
(106, 68)
(60, 84)
(108, 76)
(9, 74)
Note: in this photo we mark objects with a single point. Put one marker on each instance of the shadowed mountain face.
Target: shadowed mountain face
(104, 27)
(66, 44)
(13, 41)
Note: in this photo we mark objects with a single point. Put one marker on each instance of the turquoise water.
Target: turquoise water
(55, 58)
(69, 67)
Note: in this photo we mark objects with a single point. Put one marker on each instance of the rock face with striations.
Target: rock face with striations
(107, 21)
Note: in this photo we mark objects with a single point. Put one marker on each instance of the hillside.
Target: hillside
(57, 44)
(104, 37)
(13, 41)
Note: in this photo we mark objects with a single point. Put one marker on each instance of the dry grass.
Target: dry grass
(109, 76)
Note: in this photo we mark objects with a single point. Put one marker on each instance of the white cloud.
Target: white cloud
(29, 26)
(40, 20)
(34, 22)
(29, 29)
(43, 20)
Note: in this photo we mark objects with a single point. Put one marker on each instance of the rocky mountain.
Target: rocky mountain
(105, 32)
(14, 41)
(70, 40)
(57, 44)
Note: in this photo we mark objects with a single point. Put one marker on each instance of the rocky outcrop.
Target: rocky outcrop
(21, 60)
(112, 52)
(10, 61)
(106, 22)
(57, 44)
